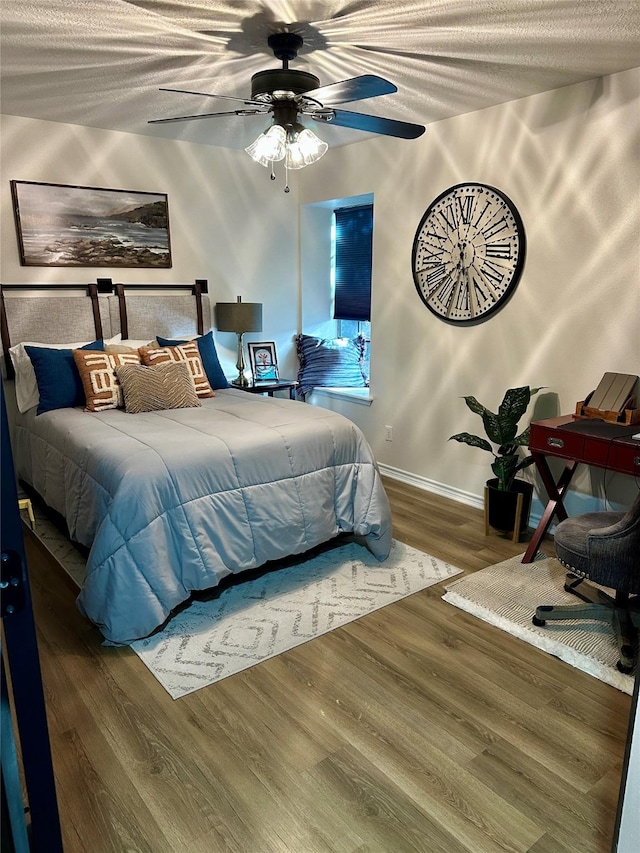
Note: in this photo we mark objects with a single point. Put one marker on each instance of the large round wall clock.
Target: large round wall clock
(468, 253)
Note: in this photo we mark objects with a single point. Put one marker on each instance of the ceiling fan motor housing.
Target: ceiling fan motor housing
(282, 80)
(280, 84)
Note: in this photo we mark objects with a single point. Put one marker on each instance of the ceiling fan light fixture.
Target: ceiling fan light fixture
(294, 158)
(269, 146)
(286, 94)
(303, 149)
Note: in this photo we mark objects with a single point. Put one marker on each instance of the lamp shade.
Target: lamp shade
(239, 317)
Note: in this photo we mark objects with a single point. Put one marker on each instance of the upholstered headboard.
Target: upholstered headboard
(49, 316)
(138, 313)
(60, 313)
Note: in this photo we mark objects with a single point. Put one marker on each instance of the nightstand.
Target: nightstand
(268, 386)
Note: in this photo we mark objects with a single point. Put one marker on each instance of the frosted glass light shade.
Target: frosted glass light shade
(300, 147)
(269, 146)
(294, 158)
(304, 149)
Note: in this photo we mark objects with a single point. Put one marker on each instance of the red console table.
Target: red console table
(593, 442)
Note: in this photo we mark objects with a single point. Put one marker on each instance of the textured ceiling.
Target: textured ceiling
(100, 63)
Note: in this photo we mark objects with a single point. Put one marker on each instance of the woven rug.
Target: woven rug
(267, 615)
(507, 594)
(72, 560)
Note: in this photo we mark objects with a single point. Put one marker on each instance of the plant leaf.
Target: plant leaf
(475, 406)
(522, 440)
(524, 463)
(514, 404)
(499, 429)
(472, 440)
(505, 468)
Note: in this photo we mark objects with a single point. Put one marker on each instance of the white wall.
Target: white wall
(568, 159)
(228, 222)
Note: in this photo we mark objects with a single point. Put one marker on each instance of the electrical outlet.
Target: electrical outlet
(388, 433)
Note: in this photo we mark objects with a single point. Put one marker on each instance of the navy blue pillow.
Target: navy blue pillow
(59, 383)
(209, 356)
(337, 362)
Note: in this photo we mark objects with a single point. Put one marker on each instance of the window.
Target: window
(352, 241)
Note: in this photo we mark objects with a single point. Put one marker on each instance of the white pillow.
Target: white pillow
(27, 395)
(132, 343)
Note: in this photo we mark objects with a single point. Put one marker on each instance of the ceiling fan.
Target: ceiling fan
(286, 94)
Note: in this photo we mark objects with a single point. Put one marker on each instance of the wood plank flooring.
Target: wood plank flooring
(416, 728)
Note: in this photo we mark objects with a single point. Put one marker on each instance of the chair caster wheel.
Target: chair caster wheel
(539, 623)
(627, 670)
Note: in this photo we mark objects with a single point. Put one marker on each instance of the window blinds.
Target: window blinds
(353, 253)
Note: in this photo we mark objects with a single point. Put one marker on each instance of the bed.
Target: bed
(172, 501)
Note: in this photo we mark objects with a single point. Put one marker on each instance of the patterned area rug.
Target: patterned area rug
(70, 557)
(253, 621)
(269, 614)
(507, 594)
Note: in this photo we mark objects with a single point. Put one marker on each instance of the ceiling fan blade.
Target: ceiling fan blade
(210, 95)
(376, 124)
(354, 89)
(205, 115)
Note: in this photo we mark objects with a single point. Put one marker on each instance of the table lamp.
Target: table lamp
(239, 317)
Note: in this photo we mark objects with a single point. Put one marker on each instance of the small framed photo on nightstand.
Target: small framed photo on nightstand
(263, 361)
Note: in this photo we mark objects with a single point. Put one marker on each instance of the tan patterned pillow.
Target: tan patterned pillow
(99, 381)
(188, 352)
(129, 347)
(161, 386)
(118, 348)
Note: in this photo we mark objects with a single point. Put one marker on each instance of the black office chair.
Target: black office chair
(603, 547)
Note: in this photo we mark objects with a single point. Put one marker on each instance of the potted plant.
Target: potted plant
(503, 490)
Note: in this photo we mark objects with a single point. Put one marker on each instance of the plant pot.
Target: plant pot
(501, 508)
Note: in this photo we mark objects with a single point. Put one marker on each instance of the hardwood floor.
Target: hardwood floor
(416, 728)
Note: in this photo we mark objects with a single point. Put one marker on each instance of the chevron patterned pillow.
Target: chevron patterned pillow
(157, 387)
(188, 353)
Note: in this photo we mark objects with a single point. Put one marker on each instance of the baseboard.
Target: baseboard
(433, 486)
(445, 491)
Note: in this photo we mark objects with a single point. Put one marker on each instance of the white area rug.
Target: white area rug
(66, 553)
(264, 616)
(507, 594)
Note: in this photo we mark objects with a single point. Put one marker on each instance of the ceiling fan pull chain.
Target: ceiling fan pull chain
(273, 174)
(286, 178)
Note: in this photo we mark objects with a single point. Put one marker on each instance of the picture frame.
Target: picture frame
(63, 225)
(263, 361)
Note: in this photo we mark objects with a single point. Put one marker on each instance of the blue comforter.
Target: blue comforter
(173, 501)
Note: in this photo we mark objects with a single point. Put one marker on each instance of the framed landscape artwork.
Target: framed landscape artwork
(263, 361)
(69, 226)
